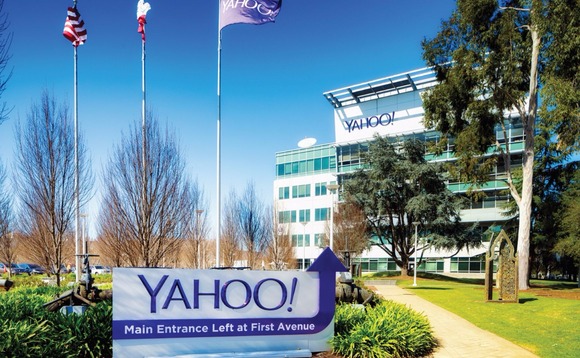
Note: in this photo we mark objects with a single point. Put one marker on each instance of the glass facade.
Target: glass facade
(432, 265)
(468, 264)
(388, 264)
(376, 264)
(309, 161)
(349, 156)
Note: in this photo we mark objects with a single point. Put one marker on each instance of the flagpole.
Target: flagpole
(144, 134)
(228, 16)
(76, 125)
(218, 164)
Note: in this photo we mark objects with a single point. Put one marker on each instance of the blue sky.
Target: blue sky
(273, 75)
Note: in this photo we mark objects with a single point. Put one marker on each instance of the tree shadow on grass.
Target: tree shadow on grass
(527, 299)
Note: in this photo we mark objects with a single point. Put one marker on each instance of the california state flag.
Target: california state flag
(142, 8)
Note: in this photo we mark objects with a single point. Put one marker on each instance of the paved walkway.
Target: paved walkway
(456, 336)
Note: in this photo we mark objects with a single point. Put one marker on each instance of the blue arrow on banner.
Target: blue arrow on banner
(327, 265)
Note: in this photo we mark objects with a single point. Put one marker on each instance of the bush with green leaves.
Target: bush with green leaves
(387, 330)
(29, 330)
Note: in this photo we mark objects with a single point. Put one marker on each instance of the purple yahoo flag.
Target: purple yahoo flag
(255, 12)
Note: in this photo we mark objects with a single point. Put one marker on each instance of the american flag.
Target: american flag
(74, 27)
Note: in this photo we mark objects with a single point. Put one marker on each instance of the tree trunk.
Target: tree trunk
(405, 268)
(525, 207)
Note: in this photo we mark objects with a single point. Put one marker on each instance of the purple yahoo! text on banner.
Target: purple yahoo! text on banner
(247, 11)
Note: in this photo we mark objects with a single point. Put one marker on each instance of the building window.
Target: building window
(304, 216)
(431, 266)
(375, 264)
(285, 217)
(319, 189)
(319, 240)
(298, 240)
(284, 193)
(301, 191)
(321, 214)
(301, 262)
(467, 264)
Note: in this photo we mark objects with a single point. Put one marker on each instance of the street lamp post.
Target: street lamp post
(332, 188)
(83, 237)
(416, 223)
(83, 246)
(304, 245)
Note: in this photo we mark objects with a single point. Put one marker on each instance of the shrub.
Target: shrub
(388, 330)
(29, 330)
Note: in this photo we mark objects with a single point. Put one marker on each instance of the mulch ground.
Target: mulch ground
(557, 293)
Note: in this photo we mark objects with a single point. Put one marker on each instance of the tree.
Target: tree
(489, 60)
(569, 243)
(7, 244)
(252, 225)
(230, 242)
(111, 245)
(5, 74)
(349, 232)
(148, 206)
(399, 188)
(196, 252)
(7, 240)
(560, 81)
(279, 253)
(553, 174)
(44, 179)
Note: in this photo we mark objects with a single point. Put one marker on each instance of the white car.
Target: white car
(99, 269)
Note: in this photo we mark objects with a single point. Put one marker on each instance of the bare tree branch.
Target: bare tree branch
(152, 225)
(44, 178)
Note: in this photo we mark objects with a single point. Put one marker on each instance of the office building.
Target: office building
(390, 106)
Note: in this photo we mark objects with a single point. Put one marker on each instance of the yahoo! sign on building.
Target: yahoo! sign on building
(370, 122)
(168, 312)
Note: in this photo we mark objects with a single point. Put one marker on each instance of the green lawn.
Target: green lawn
(547, 326)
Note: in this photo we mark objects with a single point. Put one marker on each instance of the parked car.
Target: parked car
(25, 267)
(63, 270)
(2, 268)
(34, 269)
(100, 269)
(16, 270)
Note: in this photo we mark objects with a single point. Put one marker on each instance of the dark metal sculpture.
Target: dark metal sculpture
(84, 294)
(348, 292)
